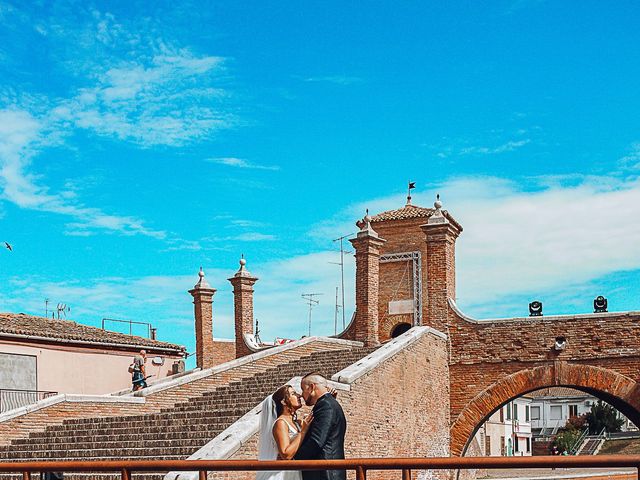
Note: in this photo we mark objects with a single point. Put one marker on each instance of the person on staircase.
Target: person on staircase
(138, 373)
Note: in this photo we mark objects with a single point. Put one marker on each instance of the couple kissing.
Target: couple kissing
(319, 436)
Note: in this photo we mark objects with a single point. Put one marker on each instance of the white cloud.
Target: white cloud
(509, 146)
(241, 163)
(22, 136)
(252, 237)
(632, 159)
(337, 79)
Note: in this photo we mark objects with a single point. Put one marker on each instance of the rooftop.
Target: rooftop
(410, 211)
(557, 392)
(42, 329)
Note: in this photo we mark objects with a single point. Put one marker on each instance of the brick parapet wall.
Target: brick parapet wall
(403, 400)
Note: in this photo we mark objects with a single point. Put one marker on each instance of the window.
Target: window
(526, 413)
(515, 411)
(508, 407)
(503, 450)
(516, 445)
(487, 445)
(535, 413)
(528, 444)
(573, 411)
(555, 412)
(501, 415)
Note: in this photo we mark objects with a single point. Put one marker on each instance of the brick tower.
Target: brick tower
(367, 246)
(441, 235)
(243, 283)
(202, 294)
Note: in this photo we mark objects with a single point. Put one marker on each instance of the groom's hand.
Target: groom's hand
(333, 392)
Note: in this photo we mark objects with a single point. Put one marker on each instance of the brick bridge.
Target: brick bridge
(405, 276)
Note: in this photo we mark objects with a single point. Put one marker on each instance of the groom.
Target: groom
(325, 438)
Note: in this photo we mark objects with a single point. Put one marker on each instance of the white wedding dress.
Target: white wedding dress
(267, 448)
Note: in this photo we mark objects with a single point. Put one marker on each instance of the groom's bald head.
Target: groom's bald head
(313, 386)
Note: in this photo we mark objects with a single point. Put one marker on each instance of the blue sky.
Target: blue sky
(139, 141)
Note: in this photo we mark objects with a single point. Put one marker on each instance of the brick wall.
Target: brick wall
(494, 361)
(223, 351)
(399, 408)
(401, 236)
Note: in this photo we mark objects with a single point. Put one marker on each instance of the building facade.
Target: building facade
(41, 356)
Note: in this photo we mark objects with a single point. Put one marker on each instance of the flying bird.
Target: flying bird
(9, 247)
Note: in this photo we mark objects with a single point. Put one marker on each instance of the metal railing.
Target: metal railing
(575, 448)
(10, 399)
(360, 465)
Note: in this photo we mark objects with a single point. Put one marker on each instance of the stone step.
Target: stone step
(103, 453)
(175, 432)
(115, 422)
(115, 438)
(193, 443)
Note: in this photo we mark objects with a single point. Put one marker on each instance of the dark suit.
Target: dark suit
(324, 439)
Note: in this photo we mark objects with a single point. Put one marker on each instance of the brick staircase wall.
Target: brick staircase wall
(395, 406)
(176, 426)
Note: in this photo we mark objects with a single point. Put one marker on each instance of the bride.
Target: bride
(280, 431)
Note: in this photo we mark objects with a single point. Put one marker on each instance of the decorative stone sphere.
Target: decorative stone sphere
(243, 262)
(201, 273)
(367, 218)
(437, 204)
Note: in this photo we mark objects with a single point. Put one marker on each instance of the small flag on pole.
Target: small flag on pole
(411, 186)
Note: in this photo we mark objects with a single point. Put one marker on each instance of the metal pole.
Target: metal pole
(342, 274)
(335, 316)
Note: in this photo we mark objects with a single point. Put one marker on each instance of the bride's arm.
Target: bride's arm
(287, 447)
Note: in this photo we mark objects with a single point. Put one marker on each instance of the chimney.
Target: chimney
(243, 283)
(202, 300)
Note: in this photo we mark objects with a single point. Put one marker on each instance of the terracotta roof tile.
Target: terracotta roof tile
(65, 330)
(408, 212)
(557, 392)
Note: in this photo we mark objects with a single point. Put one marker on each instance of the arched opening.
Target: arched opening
(399, 329)
(619, 391)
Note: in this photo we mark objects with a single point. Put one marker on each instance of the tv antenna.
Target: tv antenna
(312, 302)
(256, 337)
(335, 316)
(62, 308)
(341, 263)
(46, 308)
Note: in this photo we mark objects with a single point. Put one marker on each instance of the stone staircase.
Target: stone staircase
(175, 431)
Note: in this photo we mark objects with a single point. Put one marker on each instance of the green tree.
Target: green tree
(568, 436)
(603, 415)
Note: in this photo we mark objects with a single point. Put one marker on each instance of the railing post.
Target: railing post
(125, 475)
(406, 474)
(26, 475)
(202, 475)
(361, 473)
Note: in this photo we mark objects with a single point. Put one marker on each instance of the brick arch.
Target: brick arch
(618, 390)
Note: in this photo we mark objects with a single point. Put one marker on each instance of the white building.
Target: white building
(507, 432)
(552, 407)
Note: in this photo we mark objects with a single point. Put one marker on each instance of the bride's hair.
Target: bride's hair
(279, 397)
